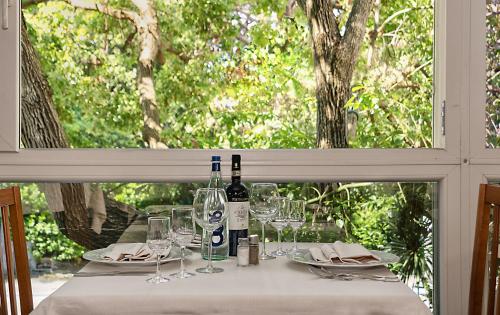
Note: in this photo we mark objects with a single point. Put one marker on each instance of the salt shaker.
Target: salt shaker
(254, 250)
(243, 252)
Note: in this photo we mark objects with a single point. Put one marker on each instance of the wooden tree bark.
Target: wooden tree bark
(149, 43)
(146, 23)
(40, 128)
(335, 56)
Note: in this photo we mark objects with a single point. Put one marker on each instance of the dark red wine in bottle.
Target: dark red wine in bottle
(238, 205)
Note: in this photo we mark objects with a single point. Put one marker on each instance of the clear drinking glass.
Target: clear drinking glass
(182, 234)
(209, 212)
(158, 240)
(296, 219)
(263, 209)
(280, 220)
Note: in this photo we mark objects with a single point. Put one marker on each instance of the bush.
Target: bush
(47, 240)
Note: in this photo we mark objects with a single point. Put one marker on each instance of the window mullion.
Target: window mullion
(9, 79)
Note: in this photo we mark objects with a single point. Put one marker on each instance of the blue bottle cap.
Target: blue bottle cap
(215, 158)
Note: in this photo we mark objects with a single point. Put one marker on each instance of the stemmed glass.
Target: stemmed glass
(158, 240)
(280, 220)
(296, 219)
(209, 212)
(263, 209)
(182, 233)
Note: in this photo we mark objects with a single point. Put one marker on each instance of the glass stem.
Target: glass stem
(158, 265)
(209, 266)
(182, 260)
(295, 240)
(279, 241)
(263, 240)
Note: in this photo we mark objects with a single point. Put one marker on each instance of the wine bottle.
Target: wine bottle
(238, 206)
(220, 236)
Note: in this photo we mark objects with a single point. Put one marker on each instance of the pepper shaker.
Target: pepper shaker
(243, 252)
(254, 250)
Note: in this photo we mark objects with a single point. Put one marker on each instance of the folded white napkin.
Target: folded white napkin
(196, 240)
(132, 251)
(341, 252)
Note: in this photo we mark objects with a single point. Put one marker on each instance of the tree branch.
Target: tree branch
(27, 3)
(290, 8)
(354, 31)
(88, 5)
(129, 40)
(321, 18)
(116, 13)
(165, 46)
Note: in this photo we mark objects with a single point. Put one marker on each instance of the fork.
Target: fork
(317, 271)
(375, 277)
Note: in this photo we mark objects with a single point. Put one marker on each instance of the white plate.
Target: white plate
(97, 255)
(303, 256)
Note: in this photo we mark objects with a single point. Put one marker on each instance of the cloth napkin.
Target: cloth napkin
(196, 240)
(341, 252)
(132, 251)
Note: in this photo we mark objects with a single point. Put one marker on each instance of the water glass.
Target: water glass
(182, 234)
(280, 220)
(296, 219)
(210, 211)
(262, 208)
(159, 241)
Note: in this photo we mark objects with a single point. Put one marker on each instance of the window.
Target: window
(397, 216)
(241, 77)
(456, 162)
(493, 74)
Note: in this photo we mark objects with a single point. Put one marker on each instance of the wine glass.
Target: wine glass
(209, 212)
(263, 209)
(158, 240)
(280, 220)
(182, 233)
(296, 219)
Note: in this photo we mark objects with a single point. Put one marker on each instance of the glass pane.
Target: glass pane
(493, 74)
(245, 75)
(394, 217)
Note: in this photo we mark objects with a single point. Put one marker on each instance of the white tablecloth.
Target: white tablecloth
(273, 287)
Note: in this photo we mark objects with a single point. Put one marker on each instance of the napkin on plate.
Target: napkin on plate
(341, 252)
(196, 240)
(131, 252)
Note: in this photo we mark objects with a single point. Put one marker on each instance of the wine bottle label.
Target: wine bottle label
(238, 215)
(236, 173)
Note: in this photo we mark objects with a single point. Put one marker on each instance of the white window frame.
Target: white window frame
(458, 165)
(477, 110)
(9, 77)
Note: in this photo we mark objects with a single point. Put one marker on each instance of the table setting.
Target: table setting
(167, 275)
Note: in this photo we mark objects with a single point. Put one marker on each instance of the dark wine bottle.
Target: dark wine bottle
(238, 205)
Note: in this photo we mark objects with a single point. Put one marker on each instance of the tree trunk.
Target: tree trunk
(334, 59)
(41, 128)
(149, 44)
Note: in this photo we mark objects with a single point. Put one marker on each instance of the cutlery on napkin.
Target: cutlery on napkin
(341, 252)
(132, 251)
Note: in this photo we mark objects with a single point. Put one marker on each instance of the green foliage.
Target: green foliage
(41, 229)
(411, 233)
(236, 74)
(92, 74)
(393, 83)
(47, 240)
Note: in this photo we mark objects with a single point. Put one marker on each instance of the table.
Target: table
(273, 287)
